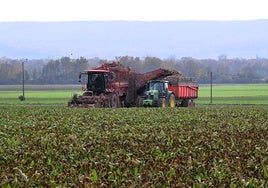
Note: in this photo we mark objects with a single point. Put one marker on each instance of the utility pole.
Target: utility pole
(210, 87)
(23, 80)
(23, 97)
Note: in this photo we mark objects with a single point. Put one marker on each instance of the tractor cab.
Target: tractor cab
(159, 85)
(155, 90)
(96, 80)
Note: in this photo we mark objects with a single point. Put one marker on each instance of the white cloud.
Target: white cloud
(68, 10)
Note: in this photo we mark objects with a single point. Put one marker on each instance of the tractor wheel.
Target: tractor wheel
(172, 101)
(162, 102)
(113, 101)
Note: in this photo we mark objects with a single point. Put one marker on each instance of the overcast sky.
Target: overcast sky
(143, 10)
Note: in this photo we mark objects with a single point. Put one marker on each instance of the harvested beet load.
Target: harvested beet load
(177, 77)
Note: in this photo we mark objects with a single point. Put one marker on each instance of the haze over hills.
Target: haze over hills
(109, 39)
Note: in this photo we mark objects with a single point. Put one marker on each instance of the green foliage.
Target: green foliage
(21, 98)
(209, 146)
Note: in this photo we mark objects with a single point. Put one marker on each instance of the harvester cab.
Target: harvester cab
(96, 80)
(104, 86)
(156, 94)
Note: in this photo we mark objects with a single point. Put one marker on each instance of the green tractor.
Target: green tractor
(157, 94)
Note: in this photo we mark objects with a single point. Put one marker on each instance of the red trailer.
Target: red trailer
(186, 93)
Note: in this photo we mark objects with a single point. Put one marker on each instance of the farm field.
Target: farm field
(206, 146)
(60, 94)
(234, 94)
(38, 94)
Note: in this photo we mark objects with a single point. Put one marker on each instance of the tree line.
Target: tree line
(65, 70)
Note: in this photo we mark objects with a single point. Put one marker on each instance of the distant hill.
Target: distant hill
(109, 39)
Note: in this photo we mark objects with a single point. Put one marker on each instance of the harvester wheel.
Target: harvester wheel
(172, 101)
(113, 101)
(162, 102)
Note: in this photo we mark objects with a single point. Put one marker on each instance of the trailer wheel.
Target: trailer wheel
(172, 101)
(162, 102)
(191, 103)
(185, 103)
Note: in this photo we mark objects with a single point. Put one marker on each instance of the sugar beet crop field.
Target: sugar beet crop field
(206, 146)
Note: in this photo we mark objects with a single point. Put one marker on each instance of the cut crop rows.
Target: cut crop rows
(216, 146)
